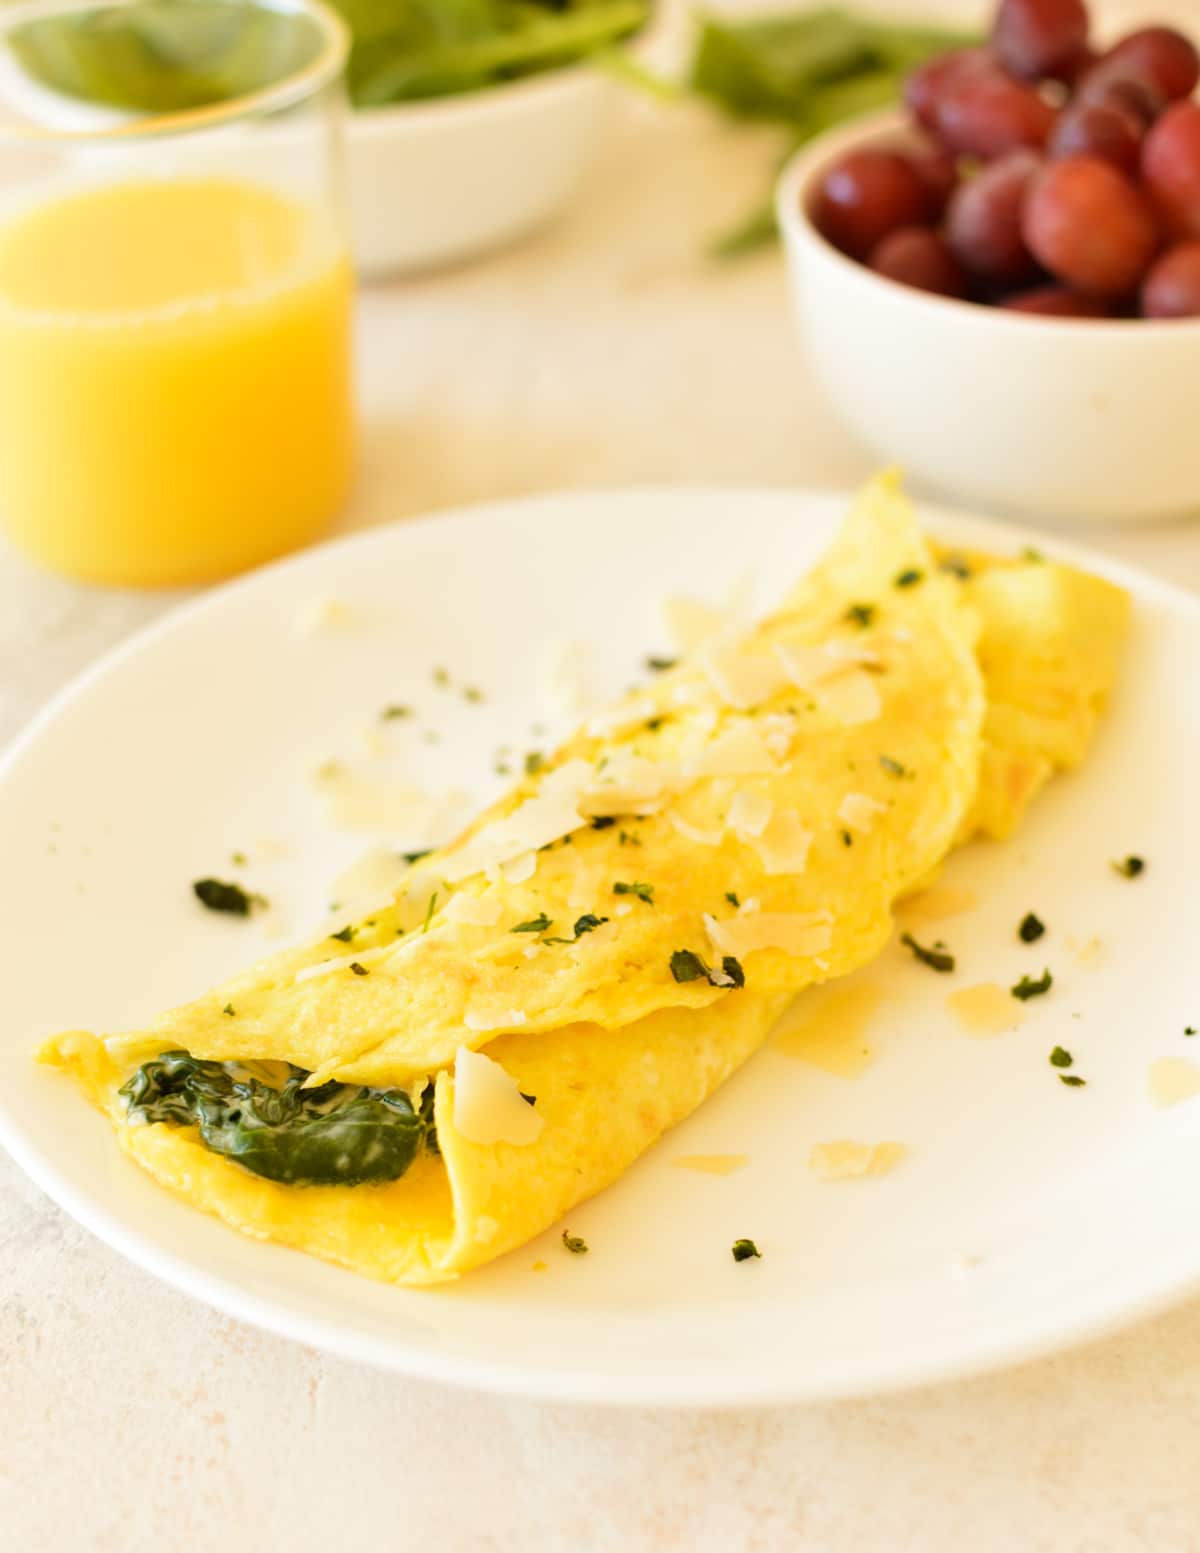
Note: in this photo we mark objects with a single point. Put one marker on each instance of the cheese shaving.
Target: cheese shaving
(859, 811)
(689, 622)
(845, 1160)
(794, 932)
(750, 813)
(548, 816)
(784, 844)
(521, 869)
(610, 724)
(741, 679)
(739, 751)
(502, 1019)
(472, 911)
(852, 698)
(488, 1105)
(694, 833)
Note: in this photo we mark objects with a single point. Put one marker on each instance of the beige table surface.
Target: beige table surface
(603, 352)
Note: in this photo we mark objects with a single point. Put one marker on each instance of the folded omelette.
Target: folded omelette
(581, 968)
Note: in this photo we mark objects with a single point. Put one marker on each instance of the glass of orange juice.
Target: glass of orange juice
(175, 291)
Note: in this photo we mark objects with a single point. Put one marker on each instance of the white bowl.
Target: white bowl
(435, 182)
(1075, 419)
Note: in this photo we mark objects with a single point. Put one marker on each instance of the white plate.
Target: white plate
(1027, 1216)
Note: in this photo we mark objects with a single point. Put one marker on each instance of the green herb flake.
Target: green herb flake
(429, 911)
(860, 615)
(603, 821)
(218, 895)
(937, 959)
(658, 665)
(537, 924)
(575, 1244)
(731, 897)
(847, 839)
(1189, 1029)
(343, 935)
(1061, 1058)
(359, 970)
(1031, 929)
(441, 677)
(1129, 867)
(908, 578)
(1031, 987)
(892, 766)
(395, 712)
(588, 923)
(743, 1250)
(686, 966)
(626, 838)
(229, 1011)
(653, 724)
(473, 694)
(415, 857)
(534, 762)
(956, 565)
(644, 892)
(1030, 554)
(1072, 1080)
(238, 859)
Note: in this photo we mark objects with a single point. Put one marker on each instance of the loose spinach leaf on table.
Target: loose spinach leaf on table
(331, 1135)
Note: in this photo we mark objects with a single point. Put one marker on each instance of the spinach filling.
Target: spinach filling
(331, 1135)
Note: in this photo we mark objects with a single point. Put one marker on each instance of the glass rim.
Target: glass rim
(295, 87)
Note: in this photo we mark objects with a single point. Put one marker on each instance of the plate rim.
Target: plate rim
(584, 1385)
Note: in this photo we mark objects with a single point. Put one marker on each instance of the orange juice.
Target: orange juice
(175, 397)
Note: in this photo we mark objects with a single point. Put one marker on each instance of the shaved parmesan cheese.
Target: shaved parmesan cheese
(473, 912)
(340, 962)
(315, 616)
(1171, 1080)
(851, 698)
(357, 803)
(785, 843)
(753, 904)
(750, 813)
(794, 932)
(848, 1161)
(521, 869)
(562, 680)
(488, 1105)
(741, 679)
(549, 815)
(630, 784)
(859, 811)
(368, 883)
(808, 665)
(778, 731)
(739, 751)
(702, 838)
(502, 1019)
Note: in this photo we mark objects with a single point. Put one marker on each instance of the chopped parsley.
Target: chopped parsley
(415, 857)
(1031, 929)
(937, 959)
(860, 615)
(220, 896)
(1031, 987)
(1189, 1029)
(688, 966)
(472, 693)
(644, 892)
(908, 578)
(1030, 554)
(429, 911)
(537, 924)
(588, 923)
(731, 897)
(628, 839)
(603, 821)
(1061, 1058)
(359, 970)
(892, 766)
(575, 1244)
(653, 724)
(847, 839)
(534, 762)
(395, 712)
(238, 859)
(528, 1099)
(743, 1250)
(502, 768)
(1130, 867)
(229, 1010)
(658, 665)
(343, 935)
(1072, 1080)
(441, 677)
(956, 565)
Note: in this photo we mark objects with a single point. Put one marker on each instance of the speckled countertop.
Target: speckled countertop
(602, 352)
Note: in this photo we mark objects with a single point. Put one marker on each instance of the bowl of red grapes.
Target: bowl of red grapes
(1018, 249)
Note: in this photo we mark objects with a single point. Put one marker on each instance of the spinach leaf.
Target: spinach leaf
(332, 1135)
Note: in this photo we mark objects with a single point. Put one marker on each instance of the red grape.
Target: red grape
(1036, 38)
(1160, 56)
(1171, 168)
(983, 222)
(1171, 288)
(1055, 302)
(1107, 129)
(927, 82)
(915, 256)
(986, 114)
(1110, 83)
(867, 195)
(938, 171)
(1090, 226)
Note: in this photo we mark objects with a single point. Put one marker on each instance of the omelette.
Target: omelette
(437, 1083)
